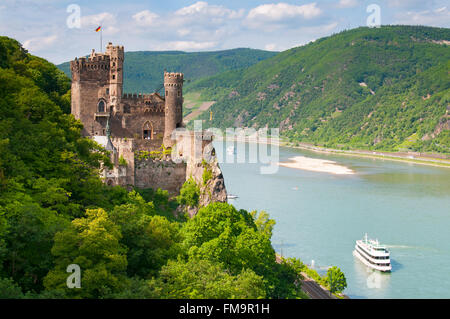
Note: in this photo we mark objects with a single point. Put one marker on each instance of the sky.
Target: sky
(60, 30)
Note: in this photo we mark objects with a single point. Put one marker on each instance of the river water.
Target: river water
(320, 215)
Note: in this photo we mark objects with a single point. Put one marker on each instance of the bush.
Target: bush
(189, 193)
(207, 173)
(9, 289)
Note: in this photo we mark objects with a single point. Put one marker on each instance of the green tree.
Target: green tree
(151, 239)
(189, 193)
(207, 280)
(9, 289)
(336, 279)
(93, 243)
(222, 234)
(28, 238)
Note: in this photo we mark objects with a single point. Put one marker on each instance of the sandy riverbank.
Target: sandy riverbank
(429, 161)
(317, 165)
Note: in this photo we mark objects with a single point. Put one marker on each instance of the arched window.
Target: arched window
(101, 106)
(126, 108)
(147, 131)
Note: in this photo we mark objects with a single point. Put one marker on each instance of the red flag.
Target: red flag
(98, 29)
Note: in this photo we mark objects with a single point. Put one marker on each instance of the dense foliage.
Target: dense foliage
(143, 70)
(384, 89)
(55, 212)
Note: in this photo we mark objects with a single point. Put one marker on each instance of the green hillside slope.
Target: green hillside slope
(143, 70)
(385, 88)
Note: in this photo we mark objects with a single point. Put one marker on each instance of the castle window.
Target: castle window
(114, 63)
(147, 131)
(114, 76)
(101, 106)
(126, 108)
(179, 93)
(167, 93)
(107, 91)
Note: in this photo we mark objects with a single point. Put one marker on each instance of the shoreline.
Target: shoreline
(429, 161)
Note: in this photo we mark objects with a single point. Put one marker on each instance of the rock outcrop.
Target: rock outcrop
(210, 181)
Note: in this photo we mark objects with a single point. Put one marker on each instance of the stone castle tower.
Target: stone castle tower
(137, 128)
(97, 94)
(173, 84)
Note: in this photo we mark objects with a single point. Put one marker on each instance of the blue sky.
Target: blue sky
(41, 25)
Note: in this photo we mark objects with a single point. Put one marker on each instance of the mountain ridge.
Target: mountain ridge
(384, 89)
(143, 69)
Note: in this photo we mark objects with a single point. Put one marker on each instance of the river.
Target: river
(320, 215)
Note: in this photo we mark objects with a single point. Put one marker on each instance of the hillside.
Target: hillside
(143, 69)
(386, 88)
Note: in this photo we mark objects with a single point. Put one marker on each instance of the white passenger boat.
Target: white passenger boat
(372, 254)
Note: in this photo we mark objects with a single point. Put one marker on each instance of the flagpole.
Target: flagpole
(101, 40)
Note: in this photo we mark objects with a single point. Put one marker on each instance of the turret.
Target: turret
(173, 84)
(97, 83)
(116, 58)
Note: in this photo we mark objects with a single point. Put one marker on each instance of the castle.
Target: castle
(136, 128)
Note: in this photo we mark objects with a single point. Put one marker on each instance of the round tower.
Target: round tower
(173, 84)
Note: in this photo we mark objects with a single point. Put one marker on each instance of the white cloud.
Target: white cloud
(103, 19)
(409, 3)
(39, 43)
(107, 20)
(347, 3)
(279, 11)
(270, 47)
(183, 32)
(145, 18)
(202, 8)
(438, 17)
(186, 45)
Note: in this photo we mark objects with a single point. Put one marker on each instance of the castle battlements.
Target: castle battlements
(141, 96)
(143, 102)
(111, 47)
(173, 79)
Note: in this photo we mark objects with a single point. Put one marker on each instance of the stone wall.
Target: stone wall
(125, 149)
(162, 174)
